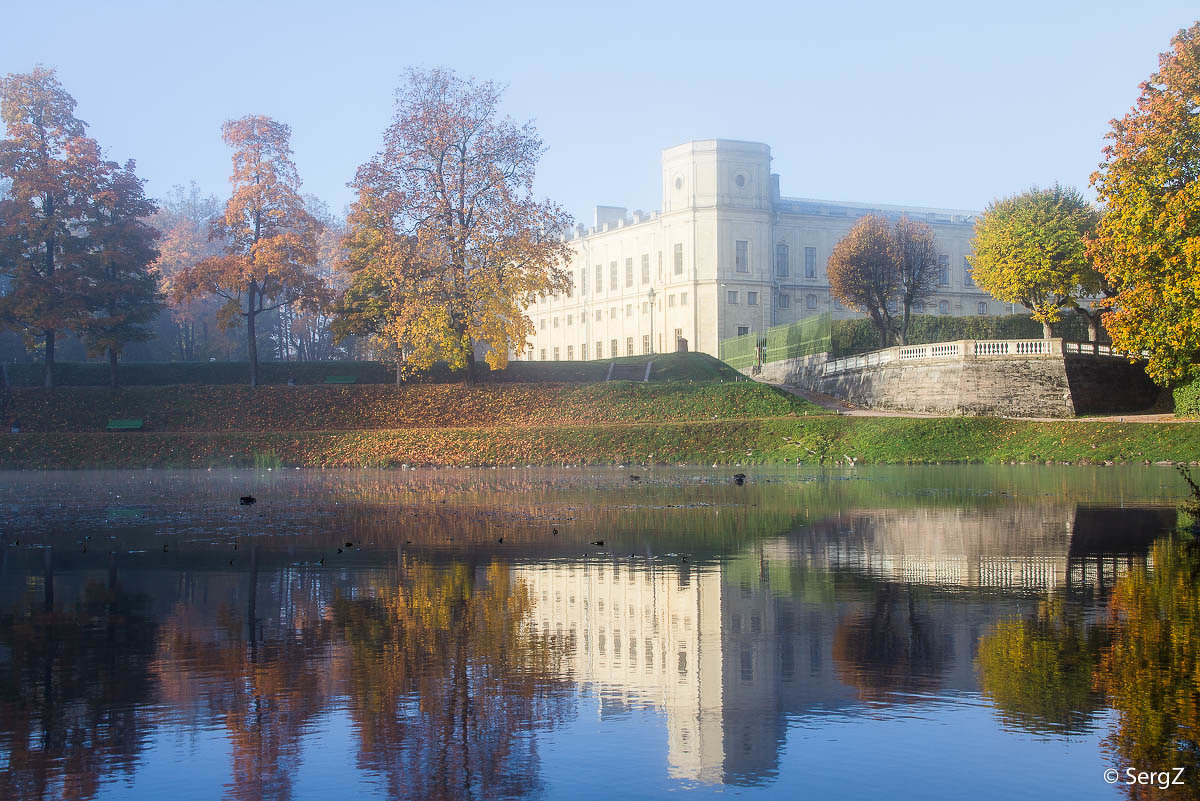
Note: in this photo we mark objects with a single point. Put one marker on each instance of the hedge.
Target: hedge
(859, 335)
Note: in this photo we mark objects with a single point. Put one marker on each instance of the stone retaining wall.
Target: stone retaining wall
(1003, 380)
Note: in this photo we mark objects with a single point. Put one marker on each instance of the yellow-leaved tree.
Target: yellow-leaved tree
(1029, 249)
(1148, 243)
(446, 244)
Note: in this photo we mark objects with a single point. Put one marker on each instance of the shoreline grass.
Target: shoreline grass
(771, 440)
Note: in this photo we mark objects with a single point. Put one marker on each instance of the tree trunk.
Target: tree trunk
(398, 363)
(1046, 332)
(48, 376)
(252, 348)
(112, 368)
(470, 363)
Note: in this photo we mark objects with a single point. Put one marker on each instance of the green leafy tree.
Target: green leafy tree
(1148, 242)
(1029, 249)
(122, 295)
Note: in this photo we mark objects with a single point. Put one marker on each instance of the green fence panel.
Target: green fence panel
(739, 352)
(801, 338)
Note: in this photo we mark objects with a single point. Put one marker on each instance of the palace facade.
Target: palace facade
(726, 255)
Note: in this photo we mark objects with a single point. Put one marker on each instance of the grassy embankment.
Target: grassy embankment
(504, 422)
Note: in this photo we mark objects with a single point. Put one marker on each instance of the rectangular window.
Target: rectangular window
(599, 349)
(682, 298)
(781, 259)
(811, 301)
(612, 312)
(751, 298)
(670, 301)
(599, 316)
(810, 262)
(645, 268)
(613, 352)
(614, 279)
(628, 273)
(982, 308)
(741, 256)
(628, 309)
(943, 270)
(583, 351)
(785, 301)
(645, 307)
(732, 297)
(569, 319)
(679, 259)
(599, 279)
(583, 281)
(743, 330)
(678, 337)
(645, 343)
(968, 278)
(556, 354)
(660, 265)
(542, 324)
(628, 346)
(570, 353)
(542, 354)
(556, 322)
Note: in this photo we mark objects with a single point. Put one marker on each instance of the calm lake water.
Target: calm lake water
(924, 633)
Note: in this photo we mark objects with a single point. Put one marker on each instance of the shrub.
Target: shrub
(1187, 397)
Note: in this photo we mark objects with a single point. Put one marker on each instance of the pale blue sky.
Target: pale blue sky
(937, 103)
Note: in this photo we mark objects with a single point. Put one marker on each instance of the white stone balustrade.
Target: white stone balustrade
(969, 349)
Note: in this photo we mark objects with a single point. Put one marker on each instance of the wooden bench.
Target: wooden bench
(125, 425)
(341, 379)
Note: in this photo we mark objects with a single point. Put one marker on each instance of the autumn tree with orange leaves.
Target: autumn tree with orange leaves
(1147, 243)
(863, 273)
(54, 171)
(446, 243)
(269, 238)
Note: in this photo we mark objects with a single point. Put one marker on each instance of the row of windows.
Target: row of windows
(783, 301)
(741, 265)
(614, 348)
(615, 274)
(672, 299)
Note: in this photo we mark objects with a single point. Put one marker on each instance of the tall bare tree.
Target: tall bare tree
(918, 265)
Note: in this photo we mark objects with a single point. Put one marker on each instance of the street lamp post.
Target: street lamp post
(650, 295)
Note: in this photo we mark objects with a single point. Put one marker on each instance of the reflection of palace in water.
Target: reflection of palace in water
(729, 651)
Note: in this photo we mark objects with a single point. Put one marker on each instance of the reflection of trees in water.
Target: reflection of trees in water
(265, 688)
(897, 647)
(447, 685)
(1151, 672)
(71, 690)
(1038, 672)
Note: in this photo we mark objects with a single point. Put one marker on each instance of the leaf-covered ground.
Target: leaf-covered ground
(379, 406)
(811, 440)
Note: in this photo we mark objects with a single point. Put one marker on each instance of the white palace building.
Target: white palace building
(727, 255)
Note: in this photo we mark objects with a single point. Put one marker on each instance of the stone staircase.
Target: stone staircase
(629, 371)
